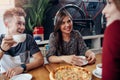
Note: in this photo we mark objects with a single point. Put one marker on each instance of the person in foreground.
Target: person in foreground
(66, 44)
(14, 57)
(111, 44)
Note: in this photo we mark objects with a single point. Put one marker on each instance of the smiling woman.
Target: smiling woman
(67, 44)
(111, 44)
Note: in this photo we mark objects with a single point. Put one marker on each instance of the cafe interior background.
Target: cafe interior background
(87, 18)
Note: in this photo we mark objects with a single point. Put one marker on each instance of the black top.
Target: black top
(28, 45)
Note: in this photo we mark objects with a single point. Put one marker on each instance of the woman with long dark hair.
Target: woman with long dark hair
(66, 44)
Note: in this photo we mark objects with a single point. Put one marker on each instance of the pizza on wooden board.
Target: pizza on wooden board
(70, 73)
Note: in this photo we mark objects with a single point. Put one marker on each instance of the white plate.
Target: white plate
(95, 74)
(85, 62)
(22, 77)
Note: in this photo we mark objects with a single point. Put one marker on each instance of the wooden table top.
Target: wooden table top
(42, 73)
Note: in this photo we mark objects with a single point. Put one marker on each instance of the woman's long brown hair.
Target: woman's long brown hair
(117, 3)
(60, 15)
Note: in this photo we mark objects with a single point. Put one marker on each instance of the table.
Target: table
(42, 73)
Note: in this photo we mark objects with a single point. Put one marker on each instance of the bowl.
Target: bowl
(19, 38)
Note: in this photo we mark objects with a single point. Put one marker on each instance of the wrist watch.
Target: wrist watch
(2, 49)
(24, 67)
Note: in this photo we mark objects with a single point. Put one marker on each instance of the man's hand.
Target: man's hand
(7, 42)
(13, 71)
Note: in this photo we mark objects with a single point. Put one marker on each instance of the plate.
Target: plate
(85, 63)
(22, 77)
(95, 74)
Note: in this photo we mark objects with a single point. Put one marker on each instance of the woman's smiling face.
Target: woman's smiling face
(67, 25)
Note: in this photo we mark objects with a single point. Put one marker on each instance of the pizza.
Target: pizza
(70, 73)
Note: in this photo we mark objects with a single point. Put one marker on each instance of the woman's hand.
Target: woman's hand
(13, 71)
(90, 57)
(67, 59)
(72, 59)
(77, 60)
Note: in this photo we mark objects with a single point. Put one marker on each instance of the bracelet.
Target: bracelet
(2, 49)
(24, 67)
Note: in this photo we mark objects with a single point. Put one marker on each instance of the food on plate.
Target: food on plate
(70, 73)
